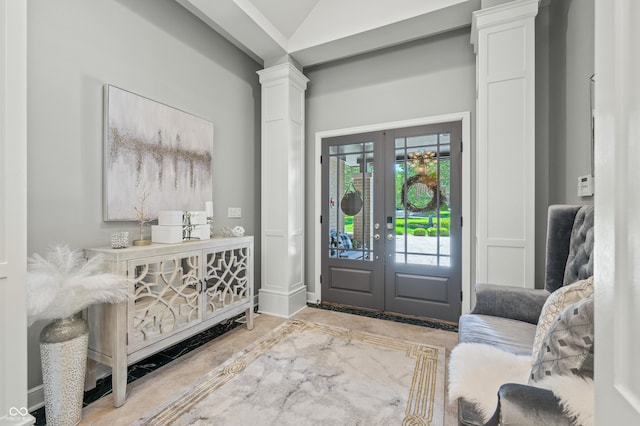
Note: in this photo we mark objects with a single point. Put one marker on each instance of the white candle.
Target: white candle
(208, 206)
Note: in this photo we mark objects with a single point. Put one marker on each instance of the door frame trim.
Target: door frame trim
(465, 118)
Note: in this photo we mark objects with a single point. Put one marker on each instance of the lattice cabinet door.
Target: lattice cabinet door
(227, 279)
(166, 297)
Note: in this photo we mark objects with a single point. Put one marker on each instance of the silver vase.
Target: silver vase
(63, 350)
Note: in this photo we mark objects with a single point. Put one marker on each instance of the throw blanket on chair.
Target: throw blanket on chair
(476, 372)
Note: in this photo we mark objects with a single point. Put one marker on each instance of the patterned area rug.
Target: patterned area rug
(305, 373)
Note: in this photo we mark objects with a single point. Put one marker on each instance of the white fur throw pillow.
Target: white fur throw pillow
(555, 304)
(476, 372)
(576, 395)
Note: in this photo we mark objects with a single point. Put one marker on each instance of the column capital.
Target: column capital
(281, 72)
(502, 14)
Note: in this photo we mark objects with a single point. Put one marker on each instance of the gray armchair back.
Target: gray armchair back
(569, 245)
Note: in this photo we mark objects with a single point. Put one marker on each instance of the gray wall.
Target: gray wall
(153, 48)
(425, 78)
(564, 65)
(571, 64)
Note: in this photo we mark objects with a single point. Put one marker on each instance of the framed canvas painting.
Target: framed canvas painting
(156, 152)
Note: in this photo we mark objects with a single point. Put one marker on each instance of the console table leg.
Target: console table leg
(119, 362)
(90, 379)
(119, 383)
(249, 316)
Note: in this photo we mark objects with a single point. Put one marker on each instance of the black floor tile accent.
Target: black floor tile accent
(387, 316)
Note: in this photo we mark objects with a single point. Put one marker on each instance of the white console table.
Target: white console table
(178, 290)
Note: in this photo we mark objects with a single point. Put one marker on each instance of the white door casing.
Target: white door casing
(465, 118)
(13, 213)
(617, 207)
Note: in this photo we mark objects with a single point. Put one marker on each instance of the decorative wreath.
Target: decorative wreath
(431, 184)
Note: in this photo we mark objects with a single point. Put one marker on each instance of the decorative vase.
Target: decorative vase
(63, 350)
(142, 241)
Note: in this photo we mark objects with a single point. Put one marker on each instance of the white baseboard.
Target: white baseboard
(282, 304)
(313, 298)
(35, 398)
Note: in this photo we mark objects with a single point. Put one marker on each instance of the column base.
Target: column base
(282, 304)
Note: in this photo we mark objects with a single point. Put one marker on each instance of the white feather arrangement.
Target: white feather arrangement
(64, 283)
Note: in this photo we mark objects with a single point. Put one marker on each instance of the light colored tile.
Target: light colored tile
(168, 381)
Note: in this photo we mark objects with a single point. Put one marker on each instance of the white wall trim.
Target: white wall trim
(465, 117)
(13, 214)
(35, 398)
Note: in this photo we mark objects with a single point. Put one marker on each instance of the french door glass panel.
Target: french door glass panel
(422, 192)
(351, 172)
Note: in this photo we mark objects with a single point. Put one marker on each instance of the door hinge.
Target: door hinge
(320, 218)
(461, 146)
(321, 159)
(461, 222)
(320, 278)
(461, 293)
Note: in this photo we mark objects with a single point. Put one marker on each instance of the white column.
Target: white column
(504, 43)
(283, 291)
(13, 213)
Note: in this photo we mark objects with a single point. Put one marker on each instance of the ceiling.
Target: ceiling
(312, 32)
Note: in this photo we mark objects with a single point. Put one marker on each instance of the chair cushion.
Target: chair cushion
(567, 348)
(555, 304)
(504, 333)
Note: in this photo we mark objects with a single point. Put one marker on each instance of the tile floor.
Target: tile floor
(161, 384)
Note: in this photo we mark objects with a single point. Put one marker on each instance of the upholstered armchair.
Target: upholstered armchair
(506, 318)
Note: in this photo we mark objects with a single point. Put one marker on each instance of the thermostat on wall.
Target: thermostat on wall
(585, 186)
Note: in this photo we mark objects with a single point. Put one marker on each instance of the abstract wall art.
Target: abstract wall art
(157, 151)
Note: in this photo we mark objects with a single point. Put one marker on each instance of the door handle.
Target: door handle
(389, 237)
(376, 237)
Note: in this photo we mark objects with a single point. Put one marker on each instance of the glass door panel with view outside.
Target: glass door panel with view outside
(352, 267)
(423, 271)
